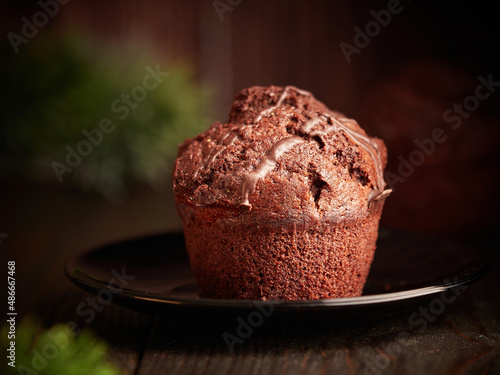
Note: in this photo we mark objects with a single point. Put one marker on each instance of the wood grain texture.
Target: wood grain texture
(464, 339)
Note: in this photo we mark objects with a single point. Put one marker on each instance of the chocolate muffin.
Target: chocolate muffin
(283, 201)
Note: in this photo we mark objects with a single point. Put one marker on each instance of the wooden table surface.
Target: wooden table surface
(41, 227)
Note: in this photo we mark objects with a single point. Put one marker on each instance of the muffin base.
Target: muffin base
(235, 256)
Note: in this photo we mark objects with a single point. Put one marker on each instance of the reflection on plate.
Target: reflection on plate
(153, 272)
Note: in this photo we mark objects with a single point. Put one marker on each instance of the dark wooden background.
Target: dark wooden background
(280, 42)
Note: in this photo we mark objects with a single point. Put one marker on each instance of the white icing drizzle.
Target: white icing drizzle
(269, 161)
(267, 164)
(308, 125)
(219, 147)
(364, 141)
(280, 101)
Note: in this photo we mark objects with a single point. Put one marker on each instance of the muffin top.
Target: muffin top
(282, 153)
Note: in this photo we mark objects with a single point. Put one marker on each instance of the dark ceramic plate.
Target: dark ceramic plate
(153, 272)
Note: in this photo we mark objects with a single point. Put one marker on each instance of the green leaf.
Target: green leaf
(58, 87)
(54, 351)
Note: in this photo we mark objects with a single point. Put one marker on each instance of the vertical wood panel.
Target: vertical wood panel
(258, 43)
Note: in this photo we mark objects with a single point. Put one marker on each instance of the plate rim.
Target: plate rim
(480, 265)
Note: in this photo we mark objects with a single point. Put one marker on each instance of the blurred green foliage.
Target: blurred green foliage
(57, 87)
(54, 352)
